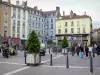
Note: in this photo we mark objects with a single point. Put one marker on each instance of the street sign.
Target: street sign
(46, 40)
(72, 38)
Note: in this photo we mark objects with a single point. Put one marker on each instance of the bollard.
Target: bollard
(51, 63)
(67, 61)
(91, 64)
(64, 51)
(25, 56)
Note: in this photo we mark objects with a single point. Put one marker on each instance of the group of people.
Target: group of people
(86, 50)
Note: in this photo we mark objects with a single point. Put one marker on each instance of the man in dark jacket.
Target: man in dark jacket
(73, 50)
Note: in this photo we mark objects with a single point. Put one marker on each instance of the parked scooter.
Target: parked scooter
(5, 52)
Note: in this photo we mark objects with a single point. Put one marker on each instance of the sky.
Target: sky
(91, 7)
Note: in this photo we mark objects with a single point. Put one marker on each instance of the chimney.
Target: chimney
(63, 13)
(58, 12)
(26, 3)
(84, 13)
(35, 7)
(9, 1)
(71, 14)
(23, 3)
(17, 2)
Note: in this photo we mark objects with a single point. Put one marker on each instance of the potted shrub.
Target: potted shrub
(32, 56)
(64, 45)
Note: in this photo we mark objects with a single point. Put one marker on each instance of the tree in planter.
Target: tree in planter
(33, 43)
(33, 46)
(64, 43)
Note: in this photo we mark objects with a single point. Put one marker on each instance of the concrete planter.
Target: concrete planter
(32, 58)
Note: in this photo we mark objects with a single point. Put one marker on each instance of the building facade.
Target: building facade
(96, 35)
(43, 23)
(19, 21)
(77, 28)
(5, 18)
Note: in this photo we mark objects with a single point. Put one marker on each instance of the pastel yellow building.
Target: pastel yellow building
(77, 28)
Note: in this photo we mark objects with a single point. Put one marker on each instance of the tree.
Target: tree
(33, 43)
(64, 42)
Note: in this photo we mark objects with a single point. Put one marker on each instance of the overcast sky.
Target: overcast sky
(92, 7)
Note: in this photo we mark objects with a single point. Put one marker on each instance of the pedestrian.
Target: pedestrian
(98, 49)
(78, 50)
(94, 49)
(81, 52)
(90, 50)
(86, 51)
(73, 50)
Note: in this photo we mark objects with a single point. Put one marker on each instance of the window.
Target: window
(72, 23)
(24, 29)
(42, 20)
(78, 30)
(18, 15)
(18, 29)
(5, 23)
(39, 19)
(5, 28)
(18, 22)
(24, 15)
(47, 22)
(65, 24)
(39, 25)
(65, 30)
(14, 9)
(84, 29)
(36, 25)
(18, 35)
(13, 28)
(84, 22)
(51, 20)
(51, 26)
(18, 10)
(36, 18)
(5, 33)
(59, 31)
(23, 36)
(14, 22)
(72, 30)
(13, 35)
(78, 23)
(6, 15)
(14, 14)
(59, 26)
(23, 23)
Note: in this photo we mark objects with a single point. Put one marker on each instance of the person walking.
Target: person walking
(73, 50)
(81, 52)
(86, 51)
(98, 49)
(90, 50)
(78, 50)
(94, 49)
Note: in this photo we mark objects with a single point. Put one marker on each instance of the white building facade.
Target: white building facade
(19, 22)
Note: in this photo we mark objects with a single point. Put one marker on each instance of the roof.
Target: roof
(27, 8)
(73, 17)
(52, 11)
